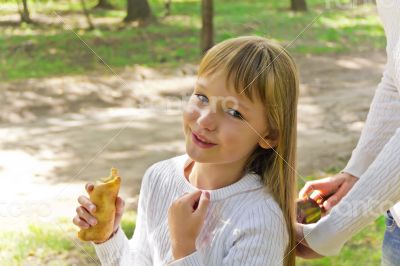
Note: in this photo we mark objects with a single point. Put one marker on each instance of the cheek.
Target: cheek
(240, 138)
(237, 137)
(190, 113)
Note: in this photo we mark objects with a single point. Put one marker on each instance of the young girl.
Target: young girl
(230, 199)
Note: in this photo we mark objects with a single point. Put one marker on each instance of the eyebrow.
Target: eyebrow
(205, 88)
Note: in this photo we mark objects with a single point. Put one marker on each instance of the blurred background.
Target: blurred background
(90, 84)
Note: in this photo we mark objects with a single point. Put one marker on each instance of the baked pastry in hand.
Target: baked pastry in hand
(103, 195)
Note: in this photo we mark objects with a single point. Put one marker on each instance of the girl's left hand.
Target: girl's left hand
(185, 222)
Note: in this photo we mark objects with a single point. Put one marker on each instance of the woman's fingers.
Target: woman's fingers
(326, 185)
(87, 204)
(335, 198)
(85, 215)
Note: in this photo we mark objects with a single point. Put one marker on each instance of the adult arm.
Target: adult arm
(376, 191)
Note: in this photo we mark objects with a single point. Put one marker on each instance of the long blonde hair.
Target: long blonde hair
(261, 68)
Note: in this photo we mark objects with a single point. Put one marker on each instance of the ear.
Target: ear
(268, 142)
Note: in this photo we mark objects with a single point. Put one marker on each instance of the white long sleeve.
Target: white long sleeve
(382, 121)
(384, 114)
(243, 226)
(374, 193)
(376, 159)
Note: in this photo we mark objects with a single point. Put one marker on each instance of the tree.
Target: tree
(24, 13)
(138, 10)
(207, 29)
(362, 2)
(167, 5)
(298, 5)
(104, 4)
(87, 15)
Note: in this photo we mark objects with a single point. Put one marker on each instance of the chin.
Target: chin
(197, 155)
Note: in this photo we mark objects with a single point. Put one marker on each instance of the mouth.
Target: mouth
(201, 141)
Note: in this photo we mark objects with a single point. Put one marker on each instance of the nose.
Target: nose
(207, 119)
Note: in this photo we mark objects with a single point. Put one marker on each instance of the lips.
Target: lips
(203, 139)
(200, 143)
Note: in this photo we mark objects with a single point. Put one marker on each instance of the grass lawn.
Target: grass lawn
(52, 244)
(49, 50)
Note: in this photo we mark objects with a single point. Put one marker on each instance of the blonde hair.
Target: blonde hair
(261, 68)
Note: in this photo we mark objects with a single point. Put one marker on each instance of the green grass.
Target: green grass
(363, 249)
(52, 244)
(43, 51)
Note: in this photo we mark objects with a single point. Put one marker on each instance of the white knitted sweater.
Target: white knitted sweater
(376, 158)
(244, 224)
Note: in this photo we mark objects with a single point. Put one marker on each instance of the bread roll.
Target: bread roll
(103, 195)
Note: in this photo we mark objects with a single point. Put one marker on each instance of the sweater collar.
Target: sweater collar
(250, 181)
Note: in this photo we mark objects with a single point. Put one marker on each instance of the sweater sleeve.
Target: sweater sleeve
(382, 121)
(261, 239)
(374, 193)
(118, 250)
(384, 115)
(375, 160)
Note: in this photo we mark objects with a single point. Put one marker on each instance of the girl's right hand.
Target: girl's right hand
(84, 213)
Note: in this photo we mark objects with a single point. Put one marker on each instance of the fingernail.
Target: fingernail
(92, 208)
(94, 222)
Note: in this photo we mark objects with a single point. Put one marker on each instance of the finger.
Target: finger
(85, 215)
(318, 196)
(80, 223)
(335, 198)
(87, 204)
(119, 212)
(203, 204)
(326, 186)
(120, 204)
(192, 197)
(89, 187)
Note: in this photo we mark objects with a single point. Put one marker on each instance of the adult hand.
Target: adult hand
(185, 219)
(336, 186)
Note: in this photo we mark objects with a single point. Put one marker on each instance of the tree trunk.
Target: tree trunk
(25, 17)
(167, 5)
(138, 10)
(362, 2)
(104, 4)
(207, 29)
(87, 15)
(298, 5)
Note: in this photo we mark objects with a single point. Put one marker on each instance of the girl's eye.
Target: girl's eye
(235, 114)
(202, 98)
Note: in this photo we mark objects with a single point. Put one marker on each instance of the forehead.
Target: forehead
(217, 84)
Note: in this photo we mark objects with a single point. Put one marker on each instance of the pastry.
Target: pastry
(103, 195)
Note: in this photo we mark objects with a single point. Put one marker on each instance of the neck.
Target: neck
(209, 176)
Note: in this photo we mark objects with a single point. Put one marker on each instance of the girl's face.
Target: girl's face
(221, 125)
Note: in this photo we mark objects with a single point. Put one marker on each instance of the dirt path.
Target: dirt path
(59, 133)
